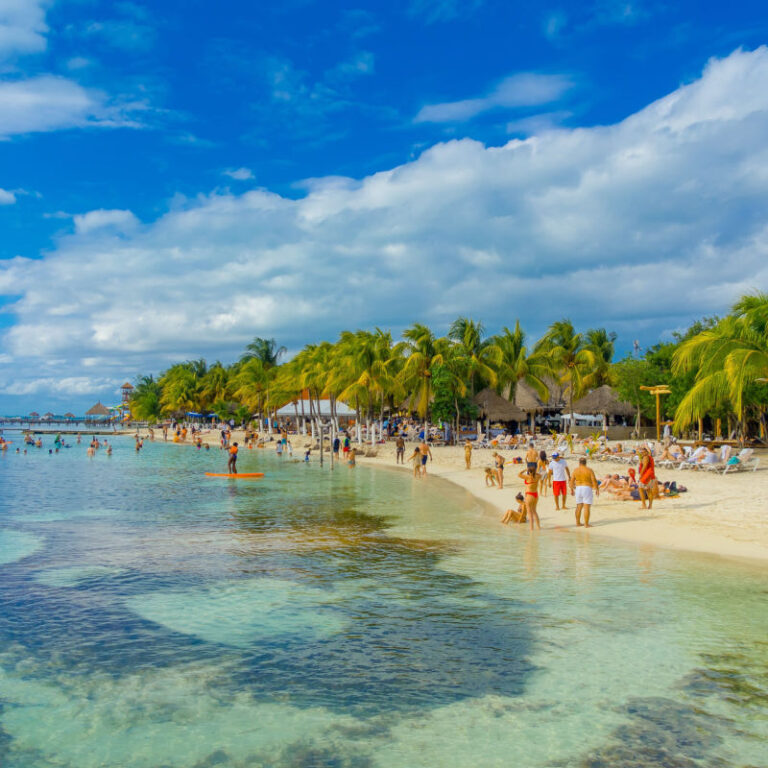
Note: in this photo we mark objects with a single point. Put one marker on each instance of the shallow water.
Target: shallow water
(150, 616)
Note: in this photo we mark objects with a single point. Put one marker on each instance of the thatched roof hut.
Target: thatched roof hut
(526, 398)
(98, 410)
(496, 408)
(34, 416)
(69, 415)
(604, 401)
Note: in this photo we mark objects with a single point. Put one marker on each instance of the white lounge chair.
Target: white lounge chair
(744, 461)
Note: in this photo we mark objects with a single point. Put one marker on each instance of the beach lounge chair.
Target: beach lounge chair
(722, 460)
(744, 461)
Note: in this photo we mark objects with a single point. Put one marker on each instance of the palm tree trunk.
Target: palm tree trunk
(358, 432)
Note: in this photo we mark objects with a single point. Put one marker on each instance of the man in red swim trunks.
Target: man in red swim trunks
(647, 484)
(232, 464)
(560, 474)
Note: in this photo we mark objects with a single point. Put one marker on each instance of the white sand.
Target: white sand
(719, 515)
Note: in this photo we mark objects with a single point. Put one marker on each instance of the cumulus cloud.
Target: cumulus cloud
(639, 226)
(525, 89)
(22, 27)
(239, 174)
(71, 385)
(49, 103)
(6, 197)
(114, 220)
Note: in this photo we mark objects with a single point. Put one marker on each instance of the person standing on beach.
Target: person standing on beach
(531, 479)
(426, 453)
(468, 454)
(400, 450)
(560, 474)
(646, 485)
(498, 461)
(531, 457)
(279, 449)
(583, 487)
(232, 463)
(336, 446)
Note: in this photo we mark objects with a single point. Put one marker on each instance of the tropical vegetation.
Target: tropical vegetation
(716, 371)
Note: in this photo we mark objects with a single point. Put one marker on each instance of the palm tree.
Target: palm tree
(424, 353)
(145, 399)
(181, 387)
(728, 359)
(518, 364)
(215, 385)
(265, 350)
(602, 344)
(251, 385)
(570, 357)
(482, 355)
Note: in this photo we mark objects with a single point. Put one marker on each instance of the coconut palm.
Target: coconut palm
(145, 400)
(482, 355)
(602, 344)
(517, 363)
(423, 353)
(181, 387)
(265, 350)
(570, 356)
(728, 359)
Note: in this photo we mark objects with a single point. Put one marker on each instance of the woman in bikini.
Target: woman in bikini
(542, 468)
(531, 479)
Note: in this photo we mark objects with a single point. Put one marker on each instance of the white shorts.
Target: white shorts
(583, 494)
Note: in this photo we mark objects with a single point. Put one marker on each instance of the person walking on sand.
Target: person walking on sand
(416, 462)
(426, 453)
(468, 454)
(560, 474)
(584, 486)
(531, 479)
(647, 473)
(400, 450)
(232, 463)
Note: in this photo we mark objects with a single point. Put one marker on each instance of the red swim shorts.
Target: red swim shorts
(559, 488)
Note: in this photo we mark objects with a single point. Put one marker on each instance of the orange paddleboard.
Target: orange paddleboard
(244, 475)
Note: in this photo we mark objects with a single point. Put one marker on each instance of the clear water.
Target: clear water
(150, 616)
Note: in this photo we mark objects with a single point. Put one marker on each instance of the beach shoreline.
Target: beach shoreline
(718, 515)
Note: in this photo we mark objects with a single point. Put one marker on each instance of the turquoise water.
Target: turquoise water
(150, 616)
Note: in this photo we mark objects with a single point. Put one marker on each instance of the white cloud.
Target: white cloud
(22, 27)
(6, 197)
(49, 103)
(71, 385)
(638, 226)
(239, 174)
(524, 89)
(114, 220)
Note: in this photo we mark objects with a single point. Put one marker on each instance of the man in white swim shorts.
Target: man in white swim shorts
(583, 487)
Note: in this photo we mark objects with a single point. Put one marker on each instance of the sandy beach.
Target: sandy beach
(718, 515)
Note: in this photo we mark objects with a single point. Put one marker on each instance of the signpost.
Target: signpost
(658, 390)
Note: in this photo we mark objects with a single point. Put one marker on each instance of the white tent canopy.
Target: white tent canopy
(325, 409)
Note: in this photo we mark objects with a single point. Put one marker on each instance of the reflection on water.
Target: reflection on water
(151, 616)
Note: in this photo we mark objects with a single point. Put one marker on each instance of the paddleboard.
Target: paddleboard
(244, 475)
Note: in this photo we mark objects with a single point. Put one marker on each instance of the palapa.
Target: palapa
(604, 401)
(98, 410)
(496, 408)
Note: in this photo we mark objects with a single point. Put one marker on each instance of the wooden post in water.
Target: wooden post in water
(320, 426)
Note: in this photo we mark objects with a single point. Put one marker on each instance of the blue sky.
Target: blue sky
(177, 177)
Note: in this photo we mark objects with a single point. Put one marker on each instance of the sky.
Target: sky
(179, 177)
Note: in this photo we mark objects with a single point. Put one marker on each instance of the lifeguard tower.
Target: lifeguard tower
(127, 390)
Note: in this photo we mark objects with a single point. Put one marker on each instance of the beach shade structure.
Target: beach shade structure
(98, 411)
(34, 416)
(69, 415)
(605, 402)
(493, 407)
(47, 416)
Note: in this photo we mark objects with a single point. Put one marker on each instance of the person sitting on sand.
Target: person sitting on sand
(583, 487)
(516, 515)
(531, 479)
